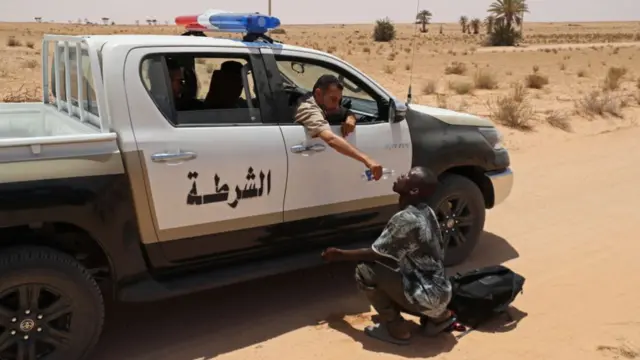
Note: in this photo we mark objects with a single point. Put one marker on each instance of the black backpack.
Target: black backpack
(479, 295)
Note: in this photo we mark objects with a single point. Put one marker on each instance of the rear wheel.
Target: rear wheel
(459, 207)
(50, 307)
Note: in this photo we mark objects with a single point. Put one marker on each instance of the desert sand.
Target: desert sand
(569, 225)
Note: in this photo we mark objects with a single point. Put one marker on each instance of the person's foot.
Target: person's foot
(399, 329)
(434, 326)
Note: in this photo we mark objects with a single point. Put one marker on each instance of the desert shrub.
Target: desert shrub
(13, 42)
(614, 77)
(278, 31)
(461, 87)
(536, 81)
(485, 79)
(503, 35)
(430, 87)
(513, 110)
(457, 68)
(598, 103)
(559, 120)
(384, 30)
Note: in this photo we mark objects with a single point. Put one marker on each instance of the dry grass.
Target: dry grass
(430, 87)
(600, 103)
(558, 119)
(614, 77)
(625, 351)
(462, 87)
(456, 68)
(536, 81)
(23, 95)
(513, 110)
(485, 79)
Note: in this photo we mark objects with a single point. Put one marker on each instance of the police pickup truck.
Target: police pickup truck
(107, 186)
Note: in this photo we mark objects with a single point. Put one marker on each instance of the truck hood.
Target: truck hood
(452, 117)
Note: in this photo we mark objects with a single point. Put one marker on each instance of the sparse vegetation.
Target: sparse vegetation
(614, 77)
(384, 30)
(464, 22)
(599, 103)
(13, 42)
(485, 79)
(457, 68)
(513, 110)
(461, 87)
(424, 18)
(559, 120)
(536, 81)
(430, 87)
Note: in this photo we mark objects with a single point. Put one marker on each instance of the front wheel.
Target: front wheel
(50, 307)
(459, 207)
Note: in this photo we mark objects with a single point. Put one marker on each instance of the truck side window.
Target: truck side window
(202, 89)
(302, 74)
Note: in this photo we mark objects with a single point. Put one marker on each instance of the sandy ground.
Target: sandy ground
(569, 227)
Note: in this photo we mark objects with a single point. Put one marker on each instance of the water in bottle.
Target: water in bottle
(368, 176)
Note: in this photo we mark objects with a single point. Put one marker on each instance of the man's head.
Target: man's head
(415, 186)
(328, 93)
(232, 75)
(177, 77)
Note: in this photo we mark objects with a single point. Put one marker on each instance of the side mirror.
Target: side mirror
(397, 111)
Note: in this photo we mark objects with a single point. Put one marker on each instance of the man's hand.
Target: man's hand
(331, 254)
(376, 169)
(348, 126)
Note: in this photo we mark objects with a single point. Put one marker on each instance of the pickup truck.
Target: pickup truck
(108, 186)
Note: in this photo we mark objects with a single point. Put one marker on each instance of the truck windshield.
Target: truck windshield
(89, 97)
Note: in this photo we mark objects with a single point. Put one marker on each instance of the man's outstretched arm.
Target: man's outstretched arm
(317, 126)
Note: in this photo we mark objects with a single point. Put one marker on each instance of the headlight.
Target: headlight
(493, 137)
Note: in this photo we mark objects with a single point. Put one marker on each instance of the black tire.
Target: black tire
(68, 309)
(469, 223)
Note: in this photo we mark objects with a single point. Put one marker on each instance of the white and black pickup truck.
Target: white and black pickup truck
(107, 181)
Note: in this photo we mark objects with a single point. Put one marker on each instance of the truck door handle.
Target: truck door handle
(300, 148)
(166, 157)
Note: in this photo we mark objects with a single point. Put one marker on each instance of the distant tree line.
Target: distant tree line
(503, 25)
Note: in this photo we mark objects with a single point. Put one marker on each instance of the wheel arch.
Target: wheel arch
(68, 236)
(476, 175)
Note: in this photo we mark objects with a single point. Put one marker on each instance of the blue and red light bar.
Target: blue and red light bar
(224, 21)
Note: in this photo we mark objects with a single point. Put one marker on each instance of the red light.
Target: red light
(190, 22)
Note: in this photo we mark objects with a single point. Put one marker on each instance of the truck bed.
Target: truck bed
(37, 141)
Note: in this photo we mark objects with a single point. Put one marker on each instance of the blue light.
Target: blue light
(250, 23)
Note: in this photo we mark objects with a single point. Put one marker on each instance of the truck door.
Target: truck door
(326, 194)
(215, 164)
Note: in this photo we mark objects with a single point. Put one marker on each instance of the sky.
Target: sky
(312, 12)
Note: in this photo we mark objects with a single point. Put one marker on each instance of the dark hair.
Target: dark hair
(424, 179)
(325, 81)
(172, 64)
(231, 67)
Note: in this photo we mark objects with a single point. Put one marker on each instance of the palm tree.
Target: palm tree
(489, 22)
(511, 11)
(463, 23)
(424, 17)
(475, 25)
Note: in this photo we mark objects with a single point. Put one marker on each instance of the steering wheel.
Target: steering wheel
(354, 89)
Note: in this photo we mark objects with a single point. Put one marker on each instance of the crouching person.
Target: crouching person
(403, 271)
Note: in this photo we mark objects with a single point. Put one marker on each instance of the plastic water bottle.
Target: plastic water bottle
(368, 176)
